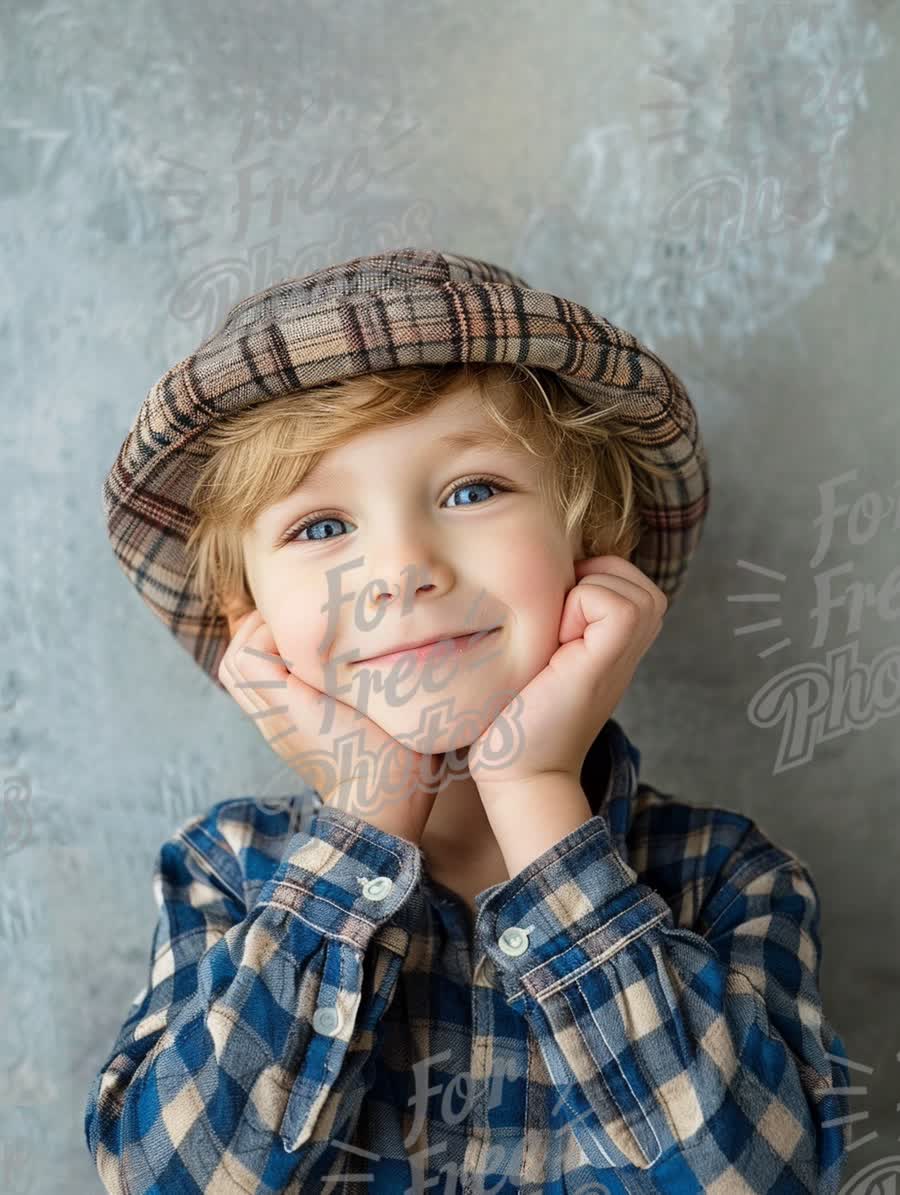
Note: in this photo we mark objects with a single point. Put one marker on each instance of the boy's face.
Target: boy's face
(392, 517)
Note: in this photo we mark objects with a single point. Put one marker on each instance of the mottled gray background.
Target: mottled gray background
(720, 178)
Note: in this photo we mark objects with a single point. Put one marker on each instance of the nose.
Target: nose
(407, 565)
(390, 592)
(381, 591)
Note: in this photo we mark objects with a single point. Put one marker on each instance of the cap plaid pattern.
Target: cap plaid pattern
(402, 307)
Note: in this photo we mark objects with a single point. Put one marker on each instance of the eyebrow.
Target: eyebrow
(471, 439)
(492, 436)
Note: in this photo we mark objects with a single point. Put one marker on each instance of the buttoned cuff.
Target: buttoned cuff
(576, 905)
(345, 876)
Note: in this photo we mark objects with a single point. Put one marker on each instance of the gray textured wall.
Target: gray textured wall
(720, 178)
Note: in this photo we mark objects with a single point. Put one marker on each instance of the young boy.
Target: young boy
(484, 956)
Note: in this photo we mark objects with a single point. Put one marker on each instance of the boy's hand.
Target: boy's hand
(389, 784)
(610, 618)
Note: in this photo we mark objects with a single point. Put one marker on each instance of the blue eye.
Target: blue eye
(474, 483)
(294, 534)
(318, 523)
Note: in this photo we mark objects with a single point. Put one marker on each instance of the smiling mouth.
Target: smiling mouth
(427, 651)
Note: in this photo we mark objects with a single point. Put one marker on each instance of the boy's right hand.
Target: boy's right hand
(396, 799)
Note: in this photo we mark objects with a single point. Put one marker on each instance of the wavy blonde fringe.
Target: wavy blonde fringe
(263, 453)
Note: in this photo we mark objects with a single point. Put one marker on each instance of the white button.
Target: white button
(378, 888)
(327, 1021)
(514, 941)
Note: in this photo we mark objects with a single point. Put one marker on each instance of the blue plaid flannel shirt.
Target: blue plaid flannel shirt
(637, 1010)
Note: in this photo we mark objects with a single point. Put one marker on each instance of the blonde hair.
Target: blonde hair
(260, 455)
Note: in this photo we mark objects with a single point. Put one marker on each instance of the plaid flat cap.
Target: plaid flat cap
(401, 307)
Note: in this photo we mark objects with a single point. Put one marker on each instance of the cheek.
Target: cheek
(534, 590)
(299, 629)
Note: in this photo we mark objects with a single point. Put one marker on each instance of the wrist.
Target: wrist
(531, 815)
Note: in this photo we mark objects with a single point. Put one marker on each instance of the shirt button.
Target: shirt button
(377, 888)
(514, 941)
(326, 1021)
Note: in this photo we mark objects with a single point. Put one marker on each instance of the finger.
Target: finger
(259, 668)
(588, 602)
(270, 693)
(650, 617)
(256, 676)
(243, 629)
(629, 587)
(266, 676)
(595, 567)
(228, 672)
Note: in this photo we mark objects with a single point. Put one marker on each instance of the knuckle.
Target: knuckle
(629, 610)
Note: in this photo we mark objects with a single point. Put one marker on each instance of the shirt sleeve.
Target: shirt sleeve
(683, 1058)
(233, 1062)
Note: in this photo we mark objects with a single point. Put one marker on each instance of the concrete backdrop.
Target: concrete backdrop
(719, 178)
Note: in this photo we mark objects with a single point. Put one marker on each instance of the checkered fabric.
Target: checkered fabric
(637, 1010)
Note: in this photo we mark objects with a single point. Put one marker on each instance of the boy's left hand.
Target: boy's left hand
(610, 618)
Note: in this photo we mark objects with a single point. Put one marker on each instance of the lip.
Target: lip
(445, 648)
